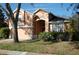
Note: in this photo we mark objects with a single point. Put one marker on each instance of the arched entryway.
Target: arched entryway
(39, 26)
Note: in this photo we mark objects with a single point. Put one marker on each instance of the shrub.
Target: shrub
(46, 36)
(2, 25)
(59, 36)
(51, 36)
(66, 36)
(54, 36)
(75, 36)
(4, 33)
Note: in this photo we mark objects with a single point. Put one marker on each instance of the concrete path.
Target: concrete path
(7, 52)
(10, 40)
(6, 40)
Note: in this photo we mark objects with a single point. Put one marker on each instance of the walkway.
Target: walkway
(10, 40)
(7, 52)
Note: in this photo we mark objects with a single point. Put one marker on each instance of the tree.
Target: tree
(2, 19)
(10, 15)
(72, 29)
(75, 13)
(74, 19)
(2, 23)
(1, 16)
(4, 30)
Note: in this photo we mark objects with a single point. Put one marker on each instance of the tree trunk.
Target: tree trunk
(15, 24)
(15, 32)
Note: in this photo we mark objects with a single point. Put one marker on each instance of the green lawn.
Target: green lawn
(43, 47)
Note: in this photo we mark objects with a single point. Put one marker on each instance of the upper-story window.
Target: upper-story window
(20, 17)
(20, 20)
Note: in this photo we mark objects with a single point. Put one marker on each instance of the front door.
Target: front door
(39, 26)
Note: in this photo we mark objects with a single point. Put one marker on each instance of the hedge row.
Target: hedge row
(58, 36)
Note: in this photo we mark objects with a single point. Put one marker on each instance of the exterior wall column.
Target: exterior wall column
(33, 28)
(47, 26)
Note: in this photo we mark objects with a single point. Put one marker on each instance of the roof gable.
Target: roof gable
(21, 10)
(39, 10)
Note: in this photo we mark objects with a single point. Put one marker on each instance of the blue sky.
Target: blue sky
(55, 8)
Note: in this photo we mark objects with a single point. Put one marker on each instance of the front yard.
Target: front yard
(43, 47)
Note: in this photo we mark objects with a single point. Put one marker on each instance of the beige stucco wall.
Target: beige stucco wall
(43, 16)
(24, 31)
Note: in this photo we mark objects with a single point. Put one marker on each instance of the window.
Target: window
(20, 21)
(57, 26)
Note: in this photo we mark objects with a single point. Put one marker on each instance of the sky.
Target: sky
(55, 8)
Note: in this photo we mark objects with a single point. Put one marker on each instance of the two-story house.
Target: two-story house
(31, 24)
